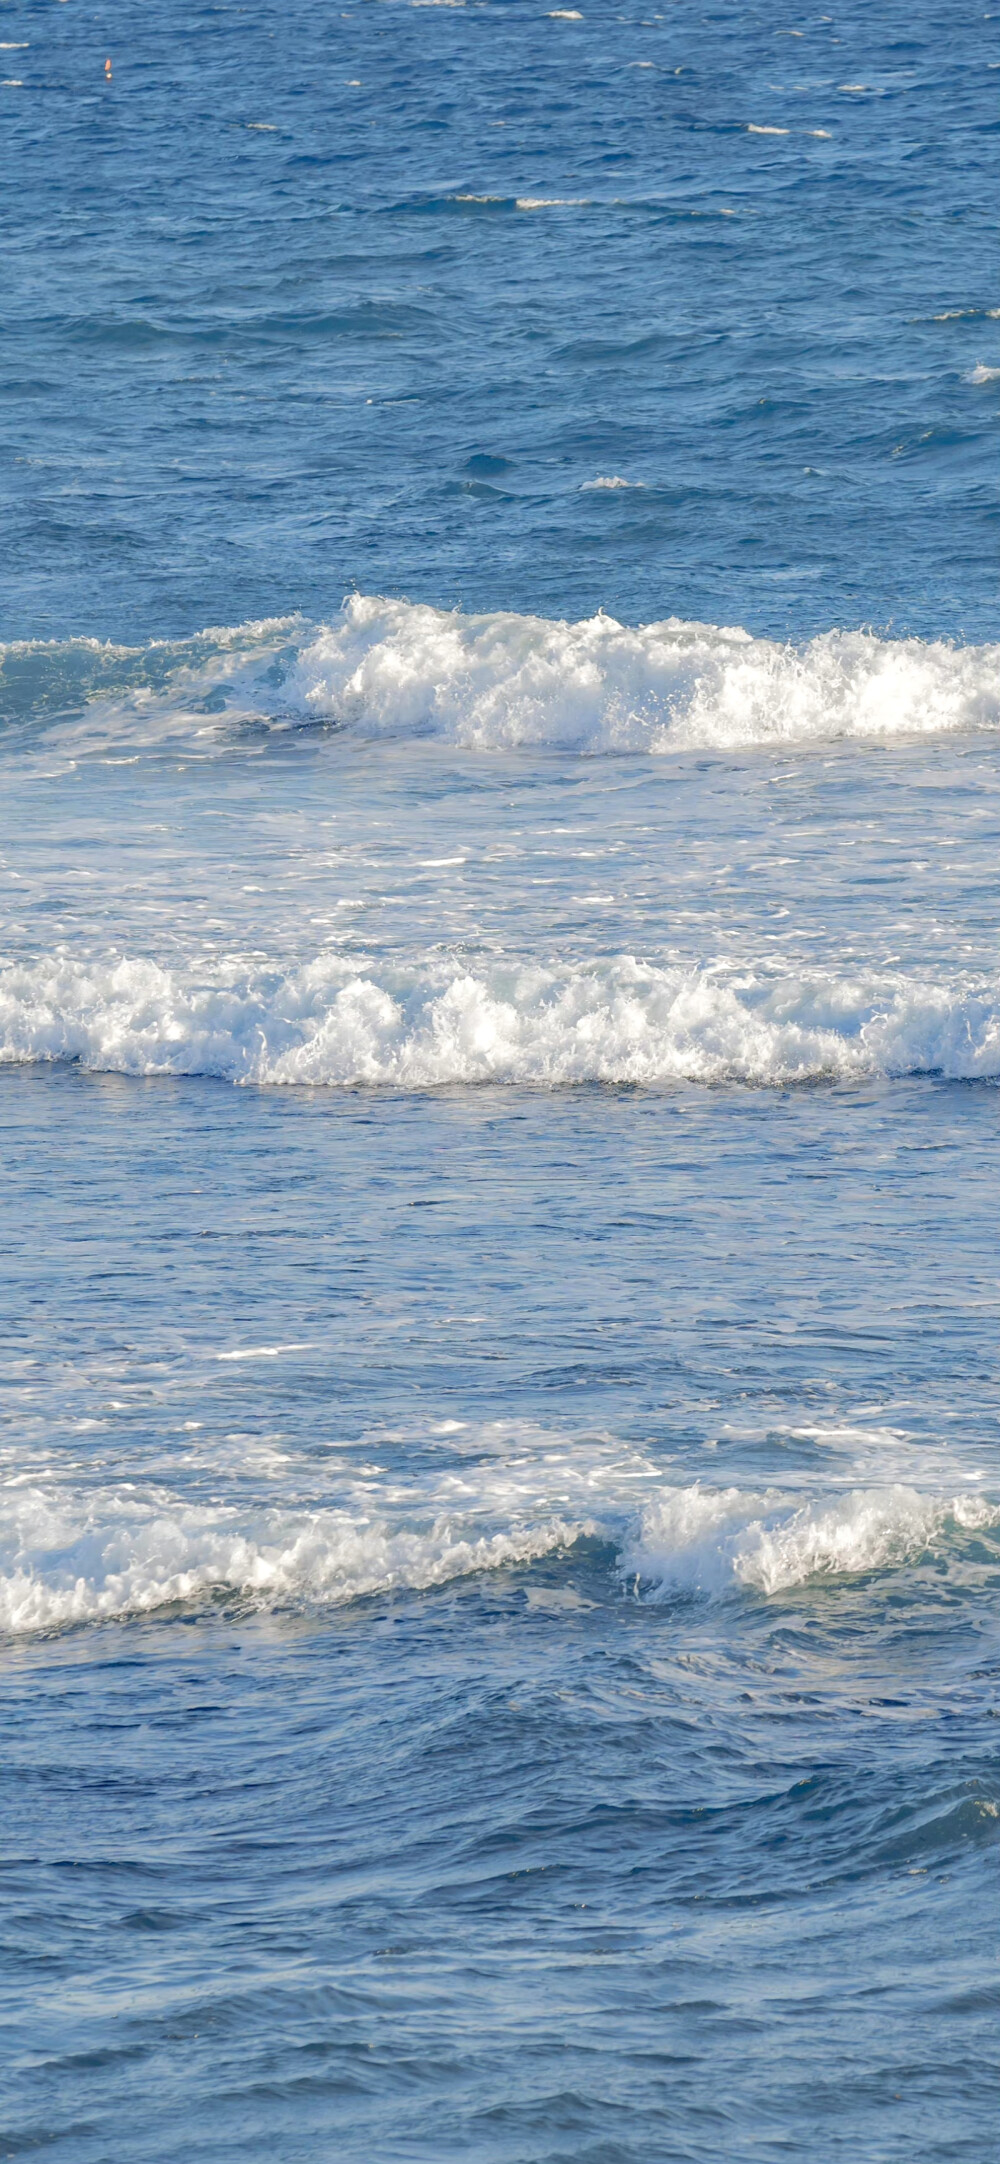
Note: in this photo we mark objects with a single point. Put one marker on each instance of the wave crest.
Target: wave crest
(70, 1558)
(701, 1540)
(62, 1564)
(495, 681)
(434, 1024)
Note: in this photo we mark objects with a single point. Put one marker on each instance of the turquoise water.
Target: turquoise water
(499, 1034)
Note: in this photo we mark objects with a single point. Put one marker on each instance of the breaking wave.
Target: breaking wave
(330, 1023)
(494, 682)
(500, 680)
(68, 1558)
(711, 1541)
(64, 1564)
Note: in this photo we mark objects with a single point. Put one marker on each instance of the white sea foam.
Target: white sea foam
(704, 1540)
(67, 1560)
(982, 374)
(466, 1500)
(331, 1023)
(495, 682)
(501, 680)
(76, 1556)
(611, 480)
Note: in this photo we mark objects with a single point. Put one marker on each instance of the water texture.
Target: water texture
(499, 1062)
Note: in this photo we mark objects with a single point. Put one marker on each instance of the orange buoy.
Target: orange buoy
(107, 69)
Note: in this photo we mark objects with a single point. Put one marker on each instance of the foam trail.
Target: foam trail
(327, 1023)
(713, 1541)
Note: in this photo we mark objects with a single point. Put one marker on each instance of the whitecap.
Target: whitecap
(716, 1540)
(497, 680)
(335, 1023)
(68, 1559)
(82, 1555)
(610, 480)
(497, 1497)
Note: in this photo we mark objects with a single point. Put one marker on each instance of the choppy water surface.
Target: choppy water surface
(500, 1547)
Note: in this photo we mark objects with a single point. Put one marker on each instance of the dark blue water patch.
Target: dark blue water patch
(563, 1876)
(156, 218)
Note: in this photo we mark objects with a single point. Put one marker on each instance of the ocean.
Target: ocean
(499, 1046)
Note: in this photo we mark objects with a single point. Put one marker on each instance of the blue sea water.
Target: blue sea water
(499, 1045)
